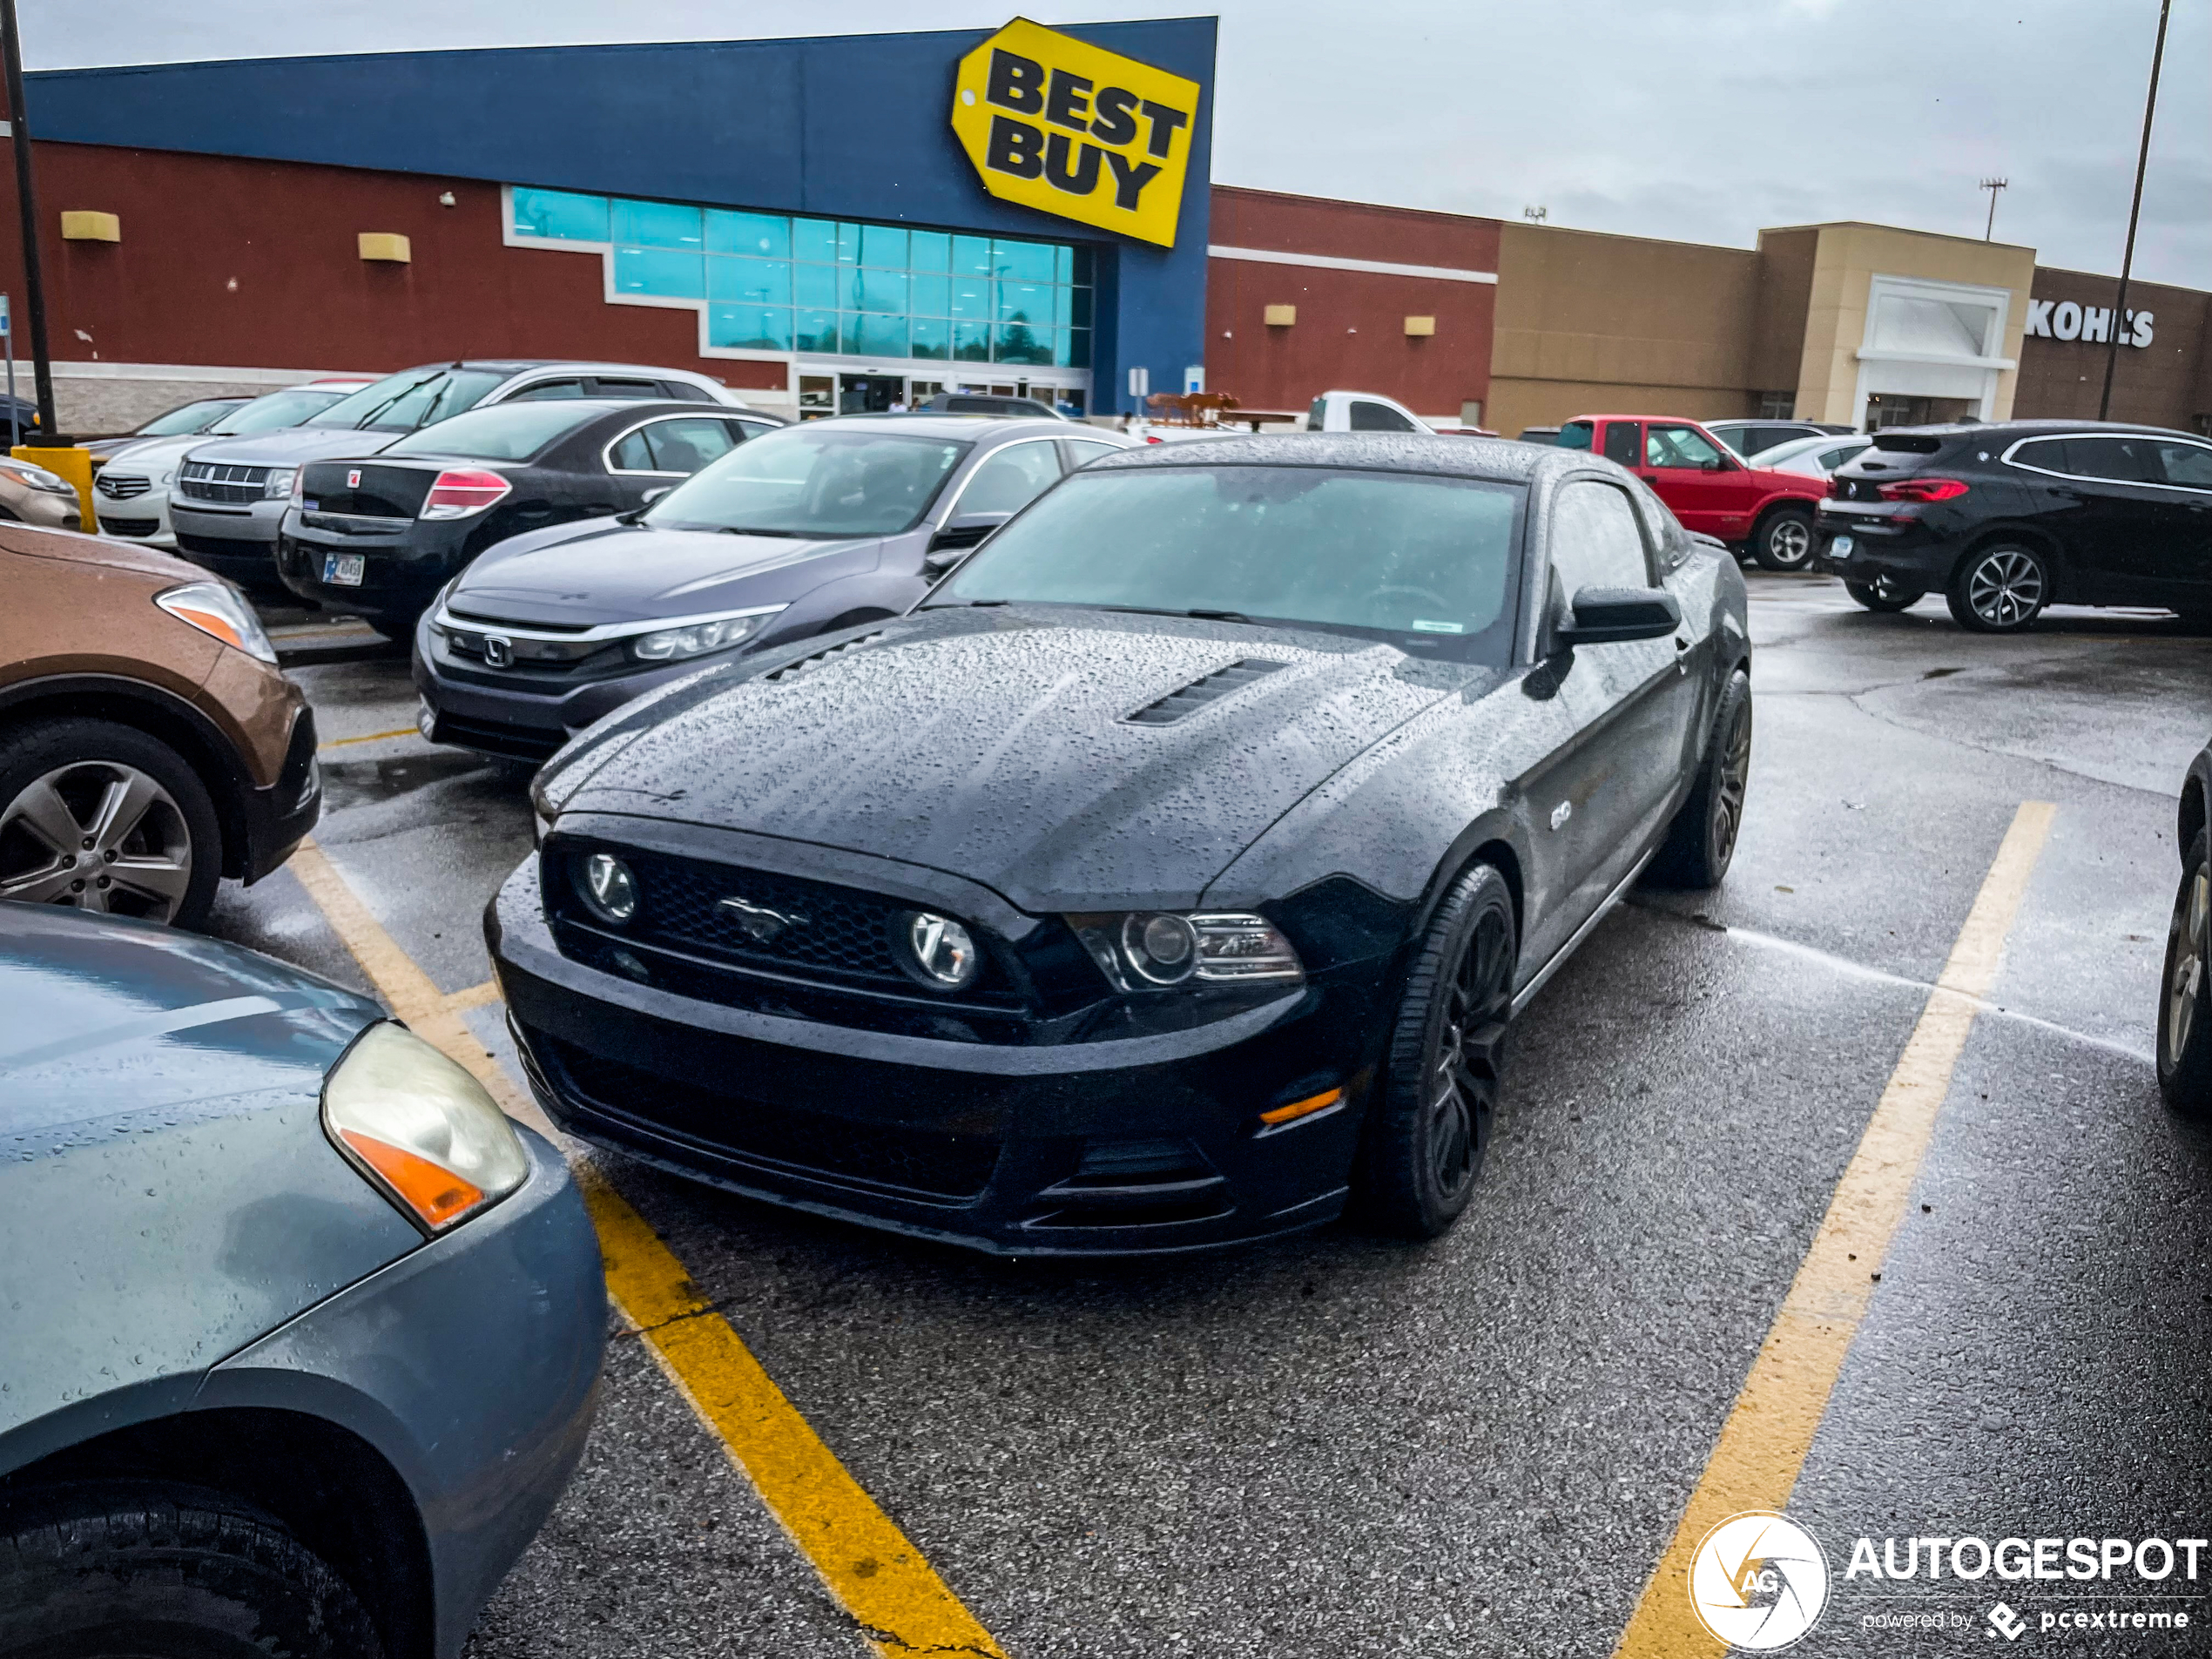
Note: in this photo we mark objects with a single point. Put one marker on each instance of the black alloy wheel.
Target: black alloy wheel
(1884, 593)
(2185, 998)
(2000, 589)
(1430, 1126)
(1701, 842)
(1784, 540)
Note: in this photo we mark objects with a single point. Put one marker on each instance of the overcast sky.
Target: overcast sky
(1697, 120)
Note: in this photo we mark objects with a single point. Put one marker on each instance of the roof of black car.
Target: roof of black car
(2041, 423)
(1505, 459)
(934, 424)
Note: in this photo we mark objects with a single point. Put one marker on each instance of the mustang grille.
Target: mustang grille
(1206, 689)
(217, 480)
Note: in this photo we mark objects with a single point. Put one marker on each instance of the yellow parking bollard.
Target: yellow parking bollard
(74, 463)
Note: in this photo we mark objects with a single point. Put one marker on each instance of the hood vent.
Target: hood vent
(1206, 689)
(807, 664)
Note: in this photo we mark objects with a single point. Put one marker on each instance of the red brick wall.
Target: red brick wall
(1349, 332)
(254, 264)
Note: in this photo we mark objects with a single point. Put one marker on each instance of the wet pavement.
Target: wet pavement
(1481, 1445)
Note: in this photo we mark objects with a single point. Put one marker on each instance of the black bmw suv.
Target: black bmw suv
(2005, 518)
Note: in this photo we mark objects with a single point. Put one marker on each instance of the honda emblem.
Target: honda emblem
(499, 651)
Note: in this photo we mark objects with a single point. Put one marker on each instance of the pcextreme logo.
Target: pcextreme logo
(1076, 131)
(1759, 1581)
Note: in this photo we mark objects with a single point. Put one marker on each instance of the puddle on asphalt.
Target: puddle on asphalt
(365, 783)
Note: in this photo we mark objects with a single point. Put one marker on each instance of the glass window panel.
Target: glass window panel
(884, 247)
(560, 213)
(1023, 261)
(631, 455)
(660, 271)
(1079, 308)
(848, 243)
(1017, 342)
(1063, 265)
(1025, 302)
(971, 298)
(930, 251)
(750, 327)
(933, 295)
(932, 338)
(882, 291)
(972, 342)
(819, 240)
(1078, 349)
(761, 235)
(1062, 307)
(658, 225)
(971, 256)
(877, 336)
(760, 282)
(817, 331)
(1083, 261)
(816, 285)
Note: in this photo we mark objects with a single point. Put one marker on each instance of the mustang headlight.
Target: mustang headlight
(1157, 950)
(420, 1129)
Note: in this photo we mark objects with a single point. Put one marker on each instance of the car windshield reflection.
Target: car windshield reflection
(813, 482)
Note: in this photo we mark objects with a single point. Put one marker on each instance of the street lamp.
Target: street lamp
(34, 286)
(2135, 212)
(1992, 185)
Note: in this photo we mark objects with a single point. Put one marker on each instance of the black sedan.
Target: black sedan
(1169, 876)
(380, 535)
(2005, 518)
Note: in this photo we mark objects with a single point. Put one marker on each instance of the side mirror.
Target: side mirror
(654, 495)
(1720, 463)
(964, 530)
(1611, 616)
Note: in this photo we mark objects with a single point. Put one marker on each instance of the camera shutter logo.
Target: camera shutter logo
(1758, 1582)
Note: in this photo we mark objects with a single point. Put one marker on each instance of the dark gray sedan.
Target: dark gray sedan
(814, 528)
(301, 1337)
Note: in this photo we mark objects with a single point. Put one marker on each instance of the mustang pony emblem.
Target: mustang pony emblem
(758, 922)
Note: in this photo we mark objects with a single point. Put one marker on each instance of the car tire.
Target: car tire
(161, 864)
(1430, 1124)
(1784, 540)
(2185, 989)
(105, 1568)
(1884, 594)
(1701, 842)
(2000, 589)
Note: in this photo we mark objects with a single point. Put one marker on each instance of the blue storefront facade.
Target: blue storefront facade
(805, 201)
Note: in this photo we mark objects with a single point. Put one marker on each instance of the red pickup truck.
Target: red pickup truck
(1708, 488)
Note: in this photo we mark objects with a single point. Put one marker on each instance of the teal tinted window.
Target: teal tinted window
(658, 225)
(817, 331)
(660, 271)
(1019, 343)
(883, 290)
(972, 342)
(816, 285)
(750, 327)
(1025, 302)
(930, 251)
(933, 294)
(932, 338)
(820, 240)
(884, 247)
(971, 298)
(1023, 261)
(760, 282)
(763, 235)
(971, 256)
(873, 336)
(558, 212)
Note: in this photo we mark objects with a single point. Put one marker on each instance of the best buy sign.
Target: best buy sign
(1076, 131)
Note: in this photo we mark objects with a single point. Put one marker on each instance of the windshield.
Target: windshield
(820, 479)
(411, 398)
(273, 413)
(194, 417)
(1424, 562)
(503, 432)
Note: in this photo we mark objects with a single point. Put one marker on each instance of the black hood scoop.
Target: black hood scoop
(1207, 688)
(807, 664)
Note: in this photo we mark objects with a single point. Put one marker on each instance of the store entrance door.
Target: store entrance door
(869, 393)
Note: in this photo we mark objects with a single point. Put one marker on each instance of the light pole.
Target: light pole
(2135, 213)
(1992, 185)
(34, 285)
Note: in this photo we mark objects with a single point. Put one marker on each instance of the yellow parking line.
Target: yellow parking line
(879, 1578)
(1762, 1445)
(373, 736)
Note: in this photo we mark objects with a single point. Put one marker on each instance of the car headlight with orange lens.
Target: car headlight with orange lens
(420, 1129)
(215, 608)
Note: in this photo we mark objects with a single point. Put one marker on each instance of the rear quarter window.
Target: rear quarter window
(1576, 435)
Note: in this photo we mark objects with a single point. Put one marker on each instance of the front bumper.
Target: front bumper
(471, 1365)
(1131, 1146)
(238, 543)
(403, 565)
(278, 818)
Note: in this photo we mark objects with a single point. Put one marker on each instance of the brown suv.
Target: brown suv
(148, 744)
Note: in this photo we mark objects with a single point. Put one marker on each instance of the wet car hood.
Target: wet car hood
(148, 457)
(605, 570)
(996, 744)
(291, 446)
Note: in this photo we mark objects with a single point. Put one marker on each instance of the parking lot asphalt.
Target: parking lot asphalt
(1482, 1446)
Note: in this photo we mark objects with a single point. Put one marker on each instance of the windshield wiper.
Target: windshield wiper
(753, 530)
(1202, 613)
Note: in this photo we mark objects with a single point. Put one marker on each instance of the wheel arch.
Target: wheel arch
(2029, 535)
(331, 1489)
(161, 715)
(2190, 812)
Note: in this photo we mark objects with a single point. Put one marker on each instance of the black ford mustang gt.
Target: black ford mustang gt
(1170, 876)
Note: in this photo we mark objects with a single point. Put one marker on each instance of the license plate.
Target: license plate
(1840, 548)
(344, 569)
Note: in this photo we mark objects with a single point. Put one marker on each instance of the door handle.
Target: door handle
(1649, 477)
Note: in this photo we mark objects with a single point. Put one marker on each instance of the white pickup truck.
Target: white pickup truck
(1330, 412)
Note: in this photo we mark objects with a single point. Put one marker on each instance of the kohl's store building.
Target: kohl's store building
(825, 225)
